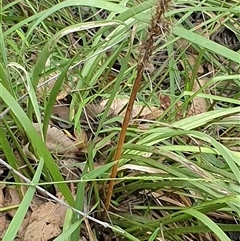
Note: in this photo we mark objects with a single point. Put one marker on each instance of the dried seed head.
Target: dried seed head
(157, 27)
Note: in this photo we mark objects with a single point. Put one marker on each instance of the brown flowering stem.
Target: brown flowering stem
(122, 135)
(157, 26)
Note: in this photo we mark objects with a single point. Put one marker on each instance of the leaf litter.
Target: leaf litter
(57, 142)
(45, 222)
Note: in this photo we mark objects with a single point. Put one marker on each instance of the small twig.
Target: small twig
(61, 202)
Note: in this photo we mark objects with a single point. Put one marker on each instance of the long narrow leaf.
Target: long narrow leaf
(23, 208)
(209, 223)
(206, 44)
(36, 141)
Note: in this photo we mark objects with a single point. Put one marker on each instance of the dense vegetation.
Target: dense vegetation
(67, 70)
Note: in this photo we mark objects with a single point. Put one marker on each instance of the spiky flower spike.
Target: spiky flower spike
(157, 27)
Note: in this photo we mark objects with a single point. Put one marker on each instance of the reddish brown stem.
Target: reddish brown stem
(157, 25)
(122, 135)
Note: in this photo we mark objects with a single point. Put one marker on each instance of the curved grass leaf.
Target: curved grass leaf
(67, 233)
(36, 141)
(209, 223)
(52, 97)
(195, 121)
(42, 59)
(154, 235)
(93, 3)
(206, 44)
(23, 208)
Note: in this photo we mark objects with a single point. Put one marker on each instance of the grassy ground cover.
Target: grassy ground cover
(67, 72)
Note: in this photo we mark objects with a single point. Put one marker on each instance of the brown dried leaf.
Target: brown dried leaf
(167, 199)
(7, 223)
(63, 94)
(28, 153)
(165, 102)
(44, 223)
(119, 108)
(92, 111)
(66, 89)
(2, 199)
(24, 223)
(81, 139)
(199, 104)
(36, 203)
(192, 59)
(117, 105)
(61, 211)
(184, 44)
(62, 111)
(154, 114)
(57, 141)
(12, 198)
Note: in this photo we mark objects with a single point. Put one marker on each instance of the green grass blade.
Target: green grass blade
(207, 44)
(2, 47)
(52, 97)
(195, 121)
(23, 208)
(4, 79)
(67, 233)
(209, 223)
(8, 153)
(31, 93)
(94, 3)
(154, 235)
(36, 141)
(231, 159)
(41, 62)
(97, 172)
